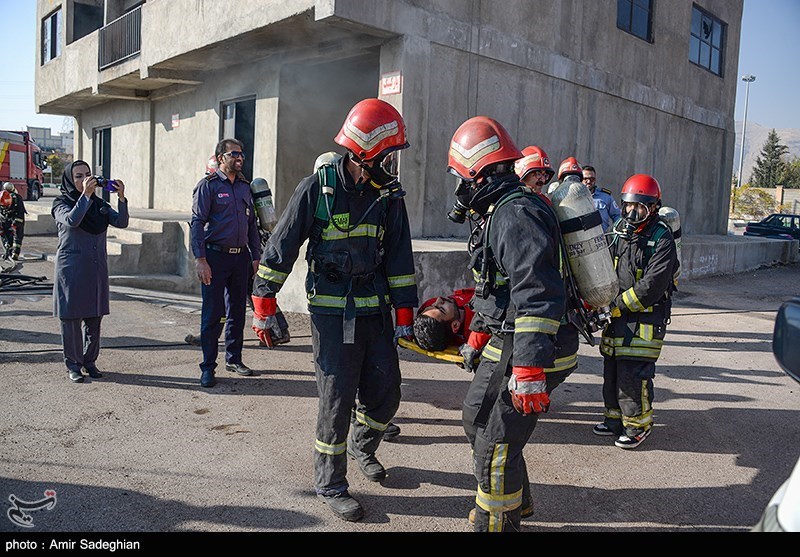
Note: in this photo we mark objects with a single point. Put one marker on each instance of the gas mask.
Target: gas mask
(383, 174)
(633, 215)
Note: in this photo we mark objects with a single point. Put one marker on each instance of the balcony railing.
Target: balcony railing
(121, 39)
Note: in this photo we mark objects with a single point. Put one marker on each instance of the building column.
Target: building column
(411, 56)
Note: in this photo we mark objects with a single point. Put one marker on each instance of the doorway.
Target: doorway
(239, 122)
(102, 156)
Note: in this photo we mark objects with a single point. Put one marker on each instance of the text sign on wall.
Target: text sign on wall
(391, 83)
(176, 120)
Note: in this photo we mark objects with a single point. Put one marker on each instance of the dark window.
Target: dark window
(51, 36)
(86, 19)
(707, 41)
(636, 17)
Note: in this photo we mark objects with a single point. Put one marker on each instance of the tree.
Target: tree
(57, 161)
(750, 203)
(791, 174)
(769, 168)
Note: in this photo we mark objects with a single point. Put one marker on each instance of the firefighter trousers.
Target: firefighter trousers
(369, 368)
(628, 395)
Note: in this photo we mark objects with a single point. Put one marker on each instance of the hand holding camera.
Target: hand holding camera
(112, 186)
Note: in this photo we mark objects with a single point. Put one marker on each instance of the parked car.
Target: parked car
(783, 511)
(778, 225)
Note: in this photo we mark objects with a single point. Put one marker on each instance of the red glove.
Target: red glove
(404, 324)
(265, 324)
(478, 340)
(528, 389)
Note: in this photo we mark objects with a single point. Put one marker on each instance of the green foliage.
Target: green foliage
(791, 174)
(749, 203)
(769, 167)
(57, 162)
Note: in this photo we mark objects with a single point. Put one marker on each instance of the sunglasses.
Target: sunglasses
(235, 154)
(590, 179)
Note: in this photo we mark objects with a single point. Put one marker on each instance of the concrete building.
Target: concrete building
(47, 141)
(627, 86)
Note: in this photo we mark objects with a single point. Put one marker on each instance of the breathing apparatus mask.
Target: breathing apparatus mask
(476, 196)
(383, 174)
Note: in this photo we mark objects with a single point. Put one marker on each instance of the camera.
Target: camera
(458, 214)
(106, 184)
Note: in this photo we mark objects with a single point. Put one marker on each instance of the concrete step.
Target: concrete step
(160, 282)
(40, 224)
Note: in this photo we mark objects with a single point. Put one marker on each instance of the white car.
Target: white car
(783, 511)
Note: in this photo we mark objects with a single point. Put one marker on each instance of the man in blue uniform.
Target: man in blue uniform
(360, 264)
(225, 244)
(603, 200)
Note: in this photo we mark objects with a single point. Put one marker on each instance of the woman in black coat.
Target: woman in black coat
(80, 289)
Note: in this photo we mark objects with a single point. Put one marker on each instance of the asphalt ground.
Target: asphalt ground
(146, 449)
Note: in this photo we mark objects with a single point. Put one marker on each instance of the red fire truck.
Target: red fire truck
(21, 163)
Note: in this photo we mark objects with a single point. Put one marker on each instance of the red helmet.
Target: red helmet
(372, 128)
(641, 188)
(212, 165)
(5, 198)
(534, 158)
(570, 167)
(478, 143)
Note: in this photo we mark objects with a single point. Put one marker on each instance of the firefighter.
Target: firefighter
(644, 254)
(534, 168)
(360, 264)
(520, 298)
(12, 220)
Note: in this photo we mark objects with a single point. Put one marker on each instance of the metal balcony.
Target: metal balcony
(121, 39)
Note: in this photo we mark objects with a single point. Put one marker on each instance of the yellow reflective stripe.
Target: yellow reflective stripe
(369, 422)
(491, 353)
(642, 352)
(341, 301)
(631, 300)
(334, 450)
(499, 279)
(363, 230)
(646, 332)
(497, 473)
(613, 413)
(495, 503)
(536, 325)
(635, 341)
(401, 281)
(271, 274)
(639, 274)
(563, 363)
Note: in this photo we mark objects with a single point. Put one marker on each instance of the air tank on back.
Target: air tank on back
(262, 200)
(587, 249)
(673, 220)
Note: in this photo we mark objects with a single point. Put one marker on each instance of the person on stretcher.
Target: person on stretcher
(443, 322)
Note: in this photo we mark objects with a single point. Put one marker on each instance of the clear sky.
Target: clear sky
(770, 50)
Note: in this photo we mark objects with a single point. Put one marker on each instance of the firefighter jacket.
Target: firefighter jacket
(14, 213)
(520, 288)
(645, 264)
(358, 271)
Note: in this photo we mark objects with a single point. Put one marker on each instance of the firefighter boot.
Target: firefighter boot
(525, 512)
(343, 506)
(370, 467)
(508, 521)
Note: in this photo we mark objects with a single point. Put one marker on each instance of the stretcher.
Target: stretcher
(449, 354)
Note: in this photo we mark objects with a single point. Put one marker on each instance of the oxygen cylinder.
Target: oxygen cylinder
(587, 249)
(262, 199)
(673, 219)
(330, 157)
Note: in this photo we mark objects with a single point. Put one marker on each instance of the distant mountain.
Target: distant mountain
(755, 137)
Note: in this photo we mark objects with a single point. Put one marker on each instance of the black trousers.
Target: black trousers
(498, 461)
(81, 341)
(628, 395)
(370, 368)
(225, 297)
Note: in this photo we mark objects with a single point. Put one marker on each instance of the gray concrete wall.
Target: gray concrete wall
(572, 83)
(725, 255)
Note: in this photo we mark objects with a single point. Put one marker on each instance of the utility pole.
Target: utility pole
(748, 79)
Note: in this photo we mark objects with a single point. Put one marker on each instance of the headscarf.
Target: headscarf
(95, 221)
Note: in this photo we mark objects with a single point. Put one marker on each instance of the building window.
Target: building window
(706, 44)
(51, 36)
(636, 17)
(239, 122)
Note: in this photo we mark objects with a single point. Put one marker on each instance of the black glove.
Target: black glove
(471, 357)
